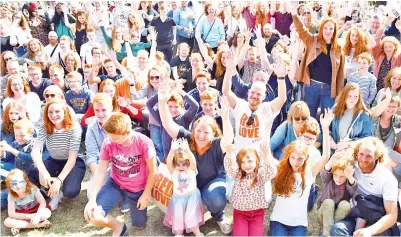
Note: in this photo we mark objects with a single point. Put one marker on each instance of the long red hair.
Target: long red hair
(261, 17)
(68, 120)
(284, 181)
(341, 106)
(334, 43)
(109, 82)
(8, 126)
(220, 69)
(361, 45)
(209, 121)
(240, 156)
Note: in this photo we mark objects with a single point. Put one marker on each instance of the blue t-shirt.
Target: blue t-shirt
(41, 88)
(81, 101)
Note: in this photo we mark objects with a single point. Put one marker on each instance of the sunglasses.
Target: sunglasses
(251, 119)
(154, 78)
(8, 59)
(50, 95)
(131, 85)
(302, 118)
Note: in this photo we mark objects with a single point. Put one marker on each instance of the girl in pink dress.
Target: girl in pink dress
(185, 210)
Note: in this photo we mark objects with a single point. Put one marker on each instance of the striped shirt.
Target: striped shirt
(61, 141)
(367, 85)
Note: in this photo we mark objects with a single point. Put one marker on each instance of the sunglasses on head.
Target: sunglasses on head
(50, 95)
(300, 118)
(251, 119)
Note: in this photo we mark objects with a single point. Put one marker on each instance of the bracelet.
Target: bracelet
(280, 78)
(61, 182)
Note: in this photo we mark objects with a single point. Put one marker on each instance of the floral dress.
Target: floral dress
(40, 31)
(385, 67)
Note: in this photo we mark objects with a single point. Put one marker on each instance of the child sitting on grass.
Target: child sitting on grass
(339, 187)
(27, 207)
(365, 79)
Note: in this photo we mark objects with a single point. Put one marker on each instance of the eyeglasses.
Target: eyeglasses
(251, 119)
(154, 78)
(50, 95)
(302, 118)
(73, 81)
(33, 74)
(16, 84)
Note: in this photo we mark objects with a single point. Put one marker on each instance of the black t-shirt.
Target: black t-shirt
(189, 81)
(164, 31)
(104, 77)
(182, 66)
(5, 44)
(320, 68)
(41, 88)
(210, 164)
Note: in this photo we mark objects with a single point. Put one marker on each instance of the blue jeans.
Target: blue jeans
(4, 200)
(167, 50)
(72, 183)
(312, 196)
(278, 229)
(111, 194)
(347, 228)
(318, 93)
(214, 197)
(156, 136)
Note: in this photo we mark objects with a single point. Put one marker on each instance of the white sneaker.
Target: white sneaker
(56, 200)
(225, 226)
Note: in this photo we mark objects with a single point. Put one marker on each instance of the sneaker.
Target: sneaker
(124, 206)
(55, 201)
(225, 226)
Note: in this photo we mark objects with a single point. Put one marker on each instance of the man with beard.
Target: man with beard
(270, 38)
(43, 61)
(12, 68)
(52, 48)
(376, 182)
(253, 118)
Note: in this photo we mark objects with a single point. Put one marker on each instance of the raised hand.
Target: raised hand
(325, 120)
(184, 144)
(231, 61)
(279, 68)
(175, 145)
(349, 171)
(225, 107)
(122, 102)
(248, 35)
(265, 149)
(258, 32)
(163, 92)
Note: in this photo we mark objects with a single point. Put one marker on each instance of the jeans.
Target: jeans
(214, 197)
(327, 214)
(72, 183)
(4, 200)
(8, 165)
(278, 229)
(318, 93)
(312, 196)
(111, 194)
(248, 223)
(167, 50)
(156, 136)
(347, 228)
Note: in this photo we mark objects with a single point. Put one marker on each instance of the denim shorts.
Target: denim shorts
(111, 194)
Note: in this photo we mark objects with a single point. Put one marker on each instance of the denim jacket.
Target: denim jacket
(361, 126)
(95, 136)
(283, 136)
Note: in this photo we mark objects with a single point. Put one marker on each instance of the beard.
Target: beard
(267, 35)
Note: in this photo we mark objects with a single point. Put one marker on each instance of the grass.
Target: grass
(68, 220)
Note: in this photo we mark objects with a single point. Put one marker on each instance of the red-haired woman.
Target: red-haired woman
(352, 118)
(293, 182)
(262, 14)
(63, 172)
(322, 66)
(356, 42)
(18, 90)
(387, 55)
(79, 28)
(21, 29)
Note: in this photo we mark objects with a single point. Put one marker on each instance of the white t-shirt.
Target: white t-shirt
(184, 182)
(250, 136)
(380, 183)
(86, 52)
(49, 49)
(293, 210)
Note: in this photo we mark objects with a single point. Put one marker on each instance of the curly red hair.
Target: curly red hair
(361, 45)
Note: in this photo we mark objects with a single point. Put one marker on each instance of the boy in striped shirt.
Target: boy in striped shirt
(365, 79)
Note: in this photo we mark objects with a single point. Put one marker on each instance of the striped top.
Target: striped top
(61, 141)
(367, 85)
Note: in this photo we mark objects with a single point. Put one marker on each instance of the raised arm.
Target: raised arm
(304, 34)
(230, 72)
(203, 49)
(381, 105)
(281, 71)
(260, 44)
(244, 49)
(325, 121)
(167, 120)
(228, 132)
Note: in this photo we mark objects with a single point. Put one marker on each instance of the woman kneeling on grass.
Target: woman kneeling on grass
(27, 208)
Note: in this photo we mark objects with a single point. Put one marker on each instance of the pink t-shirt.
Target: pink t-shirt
(128, 165)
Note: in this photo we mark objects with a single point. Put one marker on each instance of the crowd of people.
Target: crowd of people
(241, 101)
